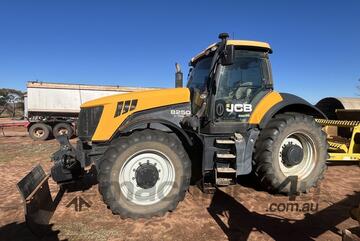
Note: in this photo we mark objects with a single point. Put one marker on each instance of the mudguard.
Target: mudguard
(291, 103)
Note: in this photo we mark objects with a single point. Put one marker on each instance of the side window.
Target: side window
(198, 75)
(197, 82)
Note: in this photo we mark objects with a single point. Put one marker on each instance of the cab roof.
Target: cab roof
(243, 43)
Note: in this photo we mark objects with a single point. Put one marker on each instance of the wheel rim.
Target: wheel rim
(306, 164)
(63, 131)
(39, 132)
(151, 164)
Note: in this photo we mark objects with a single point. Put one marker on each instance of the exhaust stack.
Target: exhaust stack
(178, 76)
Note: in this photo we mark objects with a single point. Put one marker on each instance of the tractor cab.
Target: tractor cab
(231, 76)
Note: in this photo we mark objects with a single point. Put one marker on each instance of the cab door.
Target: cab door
(241, 86)
(238, 89)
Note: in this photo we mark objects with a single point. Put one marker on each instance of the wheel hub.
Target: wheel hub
(292, 155)
(146, 175)
(63, 131)
(39, 133)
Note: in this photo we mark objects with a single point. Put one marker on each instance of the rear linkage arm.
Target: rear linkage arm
(66, 165)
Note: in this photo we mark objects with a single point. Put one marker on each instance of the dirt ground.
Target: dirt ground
(240, 212)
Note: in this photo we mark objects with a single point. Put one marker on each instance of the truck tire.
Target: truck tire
(40, 131)
(144, 174)
(292, 144)
(63, 129)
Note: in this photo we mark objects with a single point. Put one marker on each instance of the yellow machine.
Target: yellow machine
(342, 127)
(228, 121)
(343, 149)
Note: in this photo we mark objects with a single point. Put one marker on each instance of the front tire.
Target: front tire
(292, 144)
(144, 174)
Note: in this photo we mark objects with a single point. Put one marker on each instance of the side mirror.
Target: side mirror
(228, 55)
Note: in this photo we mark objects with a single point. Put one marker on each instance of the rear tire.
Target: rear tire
(145, 174)
(292, 144)
(63, 129)
(40, 131)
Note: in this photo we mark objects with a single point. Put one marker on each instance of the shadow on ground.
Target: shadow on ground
(241, 221)
(20, 232)
(85, 183)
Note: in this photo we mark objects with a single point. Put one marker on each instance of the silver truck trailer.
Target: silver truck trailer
(52, 108)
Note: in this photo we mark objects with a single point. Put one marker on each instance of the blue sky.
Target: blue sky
(136, 43)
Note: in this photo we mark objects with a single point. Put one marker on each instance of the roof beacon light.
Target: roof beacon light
(223, 37)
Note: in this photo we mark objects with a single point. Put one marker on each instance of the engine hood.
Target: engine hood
(118, 107)
(146, 99)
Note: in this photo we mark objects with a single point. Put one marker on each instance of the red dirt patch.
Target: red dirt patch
(238, 212)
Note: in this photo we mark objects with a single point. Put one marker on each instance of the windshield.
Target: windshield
(197, 82)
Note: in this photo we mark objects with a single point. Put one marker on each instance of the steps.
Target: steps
(225, 162)
(225, 156)
(224, 142)
(225, 170)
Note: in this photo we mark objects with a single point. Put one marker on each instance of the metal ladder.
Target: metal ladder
(225, 161)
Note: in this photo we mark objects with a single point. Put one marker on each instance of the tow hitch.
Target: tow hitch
(66, 166)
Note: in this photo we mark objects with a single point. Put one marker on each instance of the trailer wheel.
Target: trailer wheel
(40, 131)
(145, 174)
(292, 144)
(63, 129)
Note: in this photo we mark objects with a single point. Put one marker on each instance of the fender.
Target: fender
(291, 103)
(175, 128)
(163, 115)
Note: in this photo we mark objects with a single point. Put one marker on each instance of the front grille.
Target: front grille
(88, 120)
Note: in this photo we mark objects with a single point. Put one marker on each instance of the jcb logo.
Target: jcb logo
(238, 107)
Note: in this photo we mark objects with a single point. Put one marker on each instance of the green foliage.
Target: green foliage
(11, 102)
(4, 94)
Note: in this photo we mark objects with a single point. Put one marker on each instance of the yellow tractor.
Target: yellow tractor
(227, 122)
